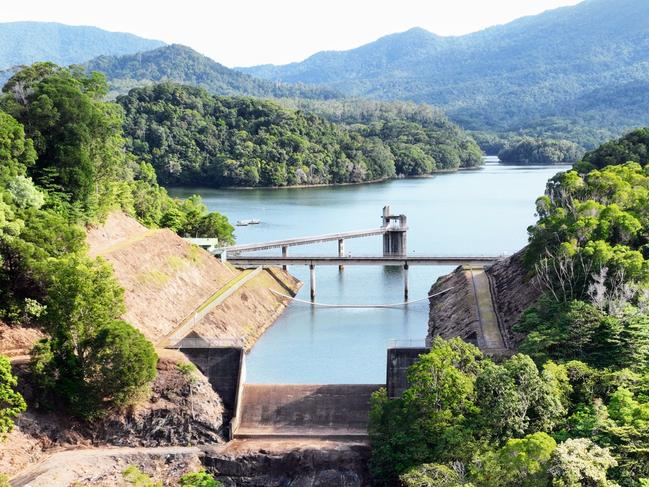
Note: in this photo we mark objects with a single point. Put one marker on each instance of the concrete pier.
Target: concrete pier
(405, 282)
(284, 254)
(312, 276)
(341, 252)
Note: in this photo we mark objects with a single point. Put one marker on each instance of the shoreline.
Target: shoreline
(330, 185)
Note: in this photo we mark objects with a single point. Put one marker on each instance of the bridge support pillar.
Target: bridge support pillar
(341, 252)
(284, 254)
(405, 282)
(312, 275)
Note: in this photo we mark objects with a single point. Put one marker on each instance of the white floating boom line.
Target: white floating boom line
(360, 306)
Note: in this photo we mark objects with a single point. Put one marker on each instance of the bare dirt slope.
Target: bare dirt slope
(16, 340)
(166, 280)
(251, 309)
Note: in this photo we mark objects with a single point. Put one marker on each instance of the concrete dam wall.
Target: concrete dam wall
(291, 410)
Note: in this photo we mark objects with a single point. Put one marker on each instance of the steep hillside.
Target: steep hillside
(167, 280)
(194, 138)
(182, 64)
(588, 63)
(28, 42)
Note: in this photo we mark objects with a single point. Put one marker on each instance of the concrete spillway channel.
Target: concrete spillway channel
(336, 411)
(492, 338)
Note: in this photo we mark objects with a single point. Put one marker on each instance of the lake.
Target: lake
(480, 212)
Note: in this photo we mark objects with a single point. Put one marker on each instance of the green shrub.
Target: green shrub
(134, 476)
(12, 403)
(199, 479)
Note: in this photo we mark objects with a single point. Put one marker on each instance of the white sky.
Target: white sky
(249, 32)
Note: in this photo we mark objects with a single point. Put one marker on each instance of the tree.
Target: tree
(579, 462)
(199, 479)
(77, 136)
(521, 462)
(433, 475)
(24, 193)
(428, 424)
(93, 360)
(515, 399)
(12, 403)
(16, 152)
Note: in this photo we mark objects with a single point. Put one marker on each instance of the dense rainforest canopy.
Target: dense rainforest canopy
(528, 150)
(192, 137)
(63, 165)
(181, 64)
(572, 407)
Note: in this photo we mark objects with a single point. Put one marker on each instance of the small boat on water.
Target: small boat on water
(245, 223)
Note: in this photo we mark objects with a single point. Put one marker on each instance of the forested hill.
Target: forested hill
(28, 42)
(182, 64)
(588, 63)
(193, 137)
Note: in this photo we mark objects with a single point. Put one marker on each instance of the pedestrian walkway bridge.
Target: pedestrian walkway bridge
(292, 242)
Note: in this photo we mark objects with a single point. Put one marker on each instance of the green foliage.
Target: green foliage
(181, 64)
(633, 147)
(515, 399)
(132, 475)
(457, 403)
(76, 135)
(432, 475)
(581, 330)
(528, 150)
(24, 193)
(11, 402)
(16, 152)
(420, 138)
(199, 479)
(92, 361)
(190, 217)
(520, 462)
(191, 137)
(579, 462)
(428, 424)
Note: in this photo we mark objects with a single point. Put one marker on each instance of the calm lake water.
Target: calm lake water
(482, 212)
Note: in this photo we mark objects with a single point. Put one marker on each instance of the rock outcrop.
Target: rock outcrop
(515, 290)
(454, 313)
(290, 462)
(182, 410)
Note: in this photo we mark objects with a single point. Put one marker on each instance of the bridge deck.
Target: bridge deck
(291, 242)
(378, 260)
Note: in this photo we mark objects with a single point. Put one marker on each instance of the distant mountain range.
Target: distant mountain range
(579, 73)
(586, 64)
(29, 42)
(181, 64)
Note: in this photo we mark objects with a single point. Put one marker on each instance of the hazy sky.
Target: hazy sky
(248, 32)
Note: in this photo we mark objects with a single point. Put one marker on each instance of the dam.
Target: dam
(472, 213)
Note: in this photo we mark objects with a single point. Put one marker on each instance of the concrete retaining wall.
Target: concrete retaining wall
(399, 360)
(223, 367)
(338, 410)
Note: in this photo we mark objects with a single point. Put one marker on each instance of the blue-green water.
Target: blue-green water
(482, 212)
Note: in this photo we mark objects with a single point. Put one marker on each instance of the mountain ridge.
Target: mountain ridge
(26, 42)
(553, 64)
(181, 64)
